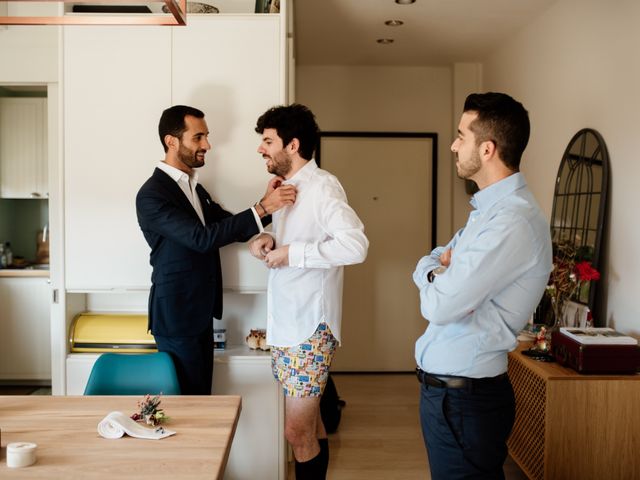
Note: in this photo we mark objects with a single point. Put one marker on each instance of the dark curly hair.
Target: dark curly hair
(292, 121)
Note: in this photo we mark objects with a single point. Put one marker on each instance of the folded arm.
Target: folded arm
(498, 256)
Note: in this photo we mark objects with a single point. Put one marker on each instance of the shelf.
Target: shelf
(16, 273)
(241, 353)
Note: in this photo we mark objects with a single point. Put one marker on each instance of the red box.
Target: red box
(589, 358)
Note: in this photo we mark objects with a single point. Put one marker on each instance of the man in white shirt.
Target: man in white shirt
(313, 239)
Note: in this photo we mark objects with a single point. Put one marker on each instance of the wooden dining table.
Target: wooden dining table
(69, 446)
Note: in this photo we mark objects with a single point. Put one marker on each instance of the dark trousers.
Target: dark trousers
(193, 358)
(466, 429)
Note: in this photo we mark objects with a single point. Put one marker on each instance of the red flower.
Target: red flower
(585, 272)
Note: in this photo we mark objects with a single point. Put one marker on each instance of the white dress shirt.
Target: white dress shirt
(323, 233)
(188, 185)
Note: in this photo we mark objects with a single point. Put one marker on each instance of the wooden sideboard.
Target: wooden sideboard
(571, 426)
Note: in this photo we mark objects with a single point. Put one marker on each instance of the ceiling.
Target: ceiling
(435, 32)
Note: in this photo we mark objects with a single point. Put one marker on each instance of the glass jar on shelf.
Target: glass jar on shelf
(3, 256)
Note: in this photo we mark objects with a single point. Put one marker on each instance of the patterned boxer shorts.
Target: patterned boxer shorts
(303, 369)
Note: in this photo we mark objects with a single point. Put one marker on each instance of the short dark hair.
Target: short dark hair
(502, 120)
(292, 121)
(172, 121)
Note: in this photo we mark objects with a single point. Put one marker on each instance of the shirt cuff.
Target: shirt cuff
(296, 254)
(258, 221)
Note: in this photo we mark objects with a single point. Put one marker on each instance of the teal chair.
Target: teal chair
(133, 374)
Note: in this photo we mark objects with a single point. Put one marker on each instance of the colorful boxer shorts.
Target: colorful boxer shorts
(303, 369)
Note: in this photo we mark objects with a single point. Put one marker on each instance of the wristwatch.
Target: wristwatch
(435, 272)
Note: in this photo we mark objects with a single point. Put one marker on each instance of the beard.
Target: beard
(190, 157)
(466, 169)
(280, 164)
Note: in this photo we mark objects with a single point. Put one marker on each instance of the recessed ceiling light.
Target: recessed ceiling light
(405, 2)
(385, 41)
(394, 23)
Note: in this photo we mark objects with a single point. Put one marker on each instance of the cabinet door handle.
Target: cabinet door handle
(35, 195)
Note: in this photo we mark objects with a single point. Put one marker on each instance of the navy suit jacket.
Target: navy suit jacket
(186, 283)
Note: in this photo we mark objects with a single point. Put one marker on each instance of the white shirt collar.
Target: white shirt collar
(303, 174)
(178, 174)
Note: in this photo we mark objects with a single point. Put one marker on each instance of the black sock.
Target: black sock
(324, 454)
(311, 469)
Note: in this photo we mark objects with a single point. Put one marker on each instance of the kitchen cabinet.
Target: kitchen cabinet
(117, 82)
(259, 446)
(23, 148)
(79, 367)
(229, 66)
(243, 77)
(25, 348)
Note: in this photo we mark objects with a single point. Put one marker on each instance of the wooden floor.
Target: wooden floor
(379, 437)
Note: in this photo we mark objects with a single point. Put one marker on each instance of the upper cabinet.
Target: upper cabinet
(23, 148)
(117, 82)
(241, 74)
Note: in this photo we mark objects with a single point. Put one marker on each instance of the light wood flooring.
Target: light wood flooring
(379, 437)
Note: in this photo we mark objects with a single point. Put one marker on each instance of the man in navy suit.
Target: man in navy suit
(185, 228)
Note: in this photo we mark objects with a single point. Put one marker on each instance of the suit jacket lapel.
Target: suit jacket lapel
(205, 203)
(175, 192)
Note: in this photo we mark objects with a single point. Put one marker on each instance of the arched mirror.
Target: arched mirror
(579, 207)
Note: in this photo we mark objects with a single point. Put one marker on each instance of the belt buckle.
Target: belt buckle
(430, 380)
(435, 381)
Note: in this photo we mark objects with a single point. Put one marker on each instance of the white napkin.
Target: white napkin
(116, 424)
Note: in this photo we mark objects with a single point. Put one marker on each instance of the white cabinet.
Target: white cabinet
(259, 446)
(79, 367)
(23, 148)
(25, 348)
(240, 76)
(117, 81)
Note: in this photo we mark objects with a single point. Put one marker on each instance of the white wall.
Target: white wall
(578, 66)
(467, 79)
(392, 99)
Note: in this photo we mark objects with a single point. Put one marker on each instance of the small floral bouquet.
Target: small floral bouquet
(571, 272)
(149, 411)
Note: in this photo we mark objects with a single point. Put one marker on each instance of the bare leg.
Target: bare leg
(320, 431)
(302, 424)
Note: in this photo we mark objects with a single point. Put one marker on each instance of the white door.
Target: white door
(388, 183)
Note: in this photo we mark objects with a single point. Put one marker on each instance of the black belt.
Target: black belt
(447, 381)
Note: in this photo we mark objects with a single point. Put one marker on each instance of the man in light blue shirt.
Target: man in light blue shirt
(477, 292)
